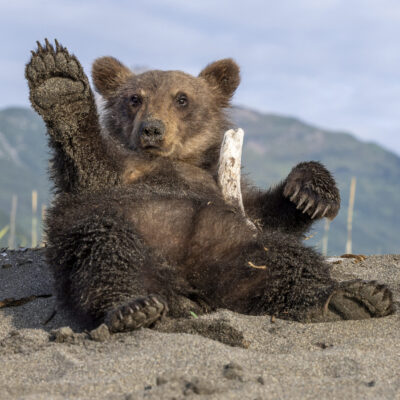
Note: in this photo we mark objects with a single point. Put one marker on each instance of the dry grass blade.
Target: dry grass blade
(256, 266)
(11, 302)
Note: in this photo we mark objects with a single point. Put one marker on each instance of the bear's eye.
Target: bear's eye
(135, 100)
(182, 100)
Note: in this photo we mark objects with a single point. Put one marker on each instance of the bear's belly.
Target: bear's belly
(165, 225)
(186, 231)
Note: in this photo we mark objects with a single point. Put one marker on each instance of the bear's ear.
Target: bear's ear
(108, 74)
(224, 77)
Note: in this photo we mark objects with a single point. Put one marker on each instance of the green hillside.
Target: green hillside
(23, 165)
(273, 144)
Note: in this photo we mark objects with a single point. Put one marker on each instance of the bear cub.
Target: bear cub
(139, 227)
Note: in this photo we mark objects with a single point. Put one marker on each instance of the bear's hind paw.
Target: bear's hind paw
(135, 314)
(361, 299)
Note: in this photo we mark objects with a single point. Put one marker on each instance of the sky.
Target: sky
(332, 63)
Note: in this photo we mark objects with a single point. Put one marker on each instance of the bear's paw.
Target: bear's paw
(56, 79)
(360, 299)
(138, 313)
(311, 187)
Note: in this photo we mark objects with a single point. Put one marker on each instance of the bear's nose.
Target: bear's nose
(151, 132)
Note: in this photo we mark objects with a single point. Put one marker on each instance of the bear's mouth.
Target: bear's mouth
(151, 148)
(150, 144)
(162, 150)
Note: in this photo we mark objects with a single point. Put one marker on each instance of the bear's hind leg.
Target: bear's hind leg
(299, 286)
(277, 275)
(268, 274)
(104, 270)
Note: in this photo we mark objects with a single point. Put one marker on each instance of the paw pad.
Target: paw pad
(361, 299)
(55, 77)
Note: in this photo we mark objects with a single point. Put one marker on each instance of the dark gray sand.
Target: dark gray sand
(219, 356)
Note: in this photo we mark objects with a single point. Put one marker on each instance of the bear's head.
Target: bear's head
(167, 113)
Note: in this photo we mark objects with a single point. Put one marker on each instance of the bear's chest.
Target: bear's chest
(165, 224)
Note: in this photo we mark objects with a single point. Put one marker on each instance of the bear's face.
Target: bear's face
(167, 113)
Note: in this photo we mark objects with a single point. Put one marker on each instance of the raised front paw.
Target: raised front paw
(311, 187)
(56, 81)
(359, 300)
(138, 313)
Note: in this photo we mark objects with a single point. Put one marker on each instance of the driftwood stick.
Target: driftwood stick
(230, 159)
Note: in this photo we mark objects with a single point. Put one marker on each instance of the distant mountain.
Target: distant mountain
(273, 145)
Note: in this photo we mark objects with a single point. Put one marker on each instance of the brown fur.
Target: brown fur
(108, 73)
(193, 133)
(139, 223)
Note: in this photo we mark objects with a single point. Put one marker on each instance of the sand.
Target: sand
(223, 355)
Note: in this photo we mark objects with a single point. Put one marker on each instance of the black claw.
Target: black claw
(325, 211)
(286, 191)
(40, 48)
(387, 295)
(303, 198)
(377, 289)
(317, 210)
(295, 194)
(58, 46)
(49, 46)
(309, 205)
(156, 302)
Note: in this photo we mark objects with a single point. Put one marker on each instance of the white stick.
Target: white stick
(230, 159)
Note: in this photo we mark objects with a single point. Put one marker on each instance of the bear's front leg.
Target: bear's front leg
(308, 193)
(312, 189)
(60, 93)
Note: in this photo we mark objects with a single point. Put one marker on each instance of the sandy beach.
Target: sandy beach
(223, 355)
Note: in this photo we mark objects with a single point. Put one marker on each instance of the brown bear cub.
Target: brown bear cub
(139, 227)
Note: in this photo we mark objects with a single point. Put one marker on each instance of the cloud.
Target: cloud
(323, 61)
